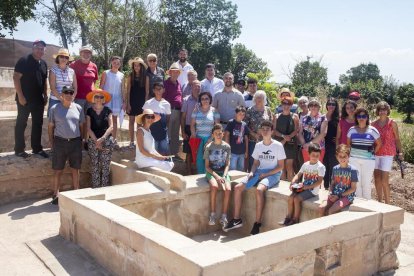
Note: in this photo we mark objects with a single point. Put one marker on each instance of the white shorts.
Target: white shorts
(384, 163)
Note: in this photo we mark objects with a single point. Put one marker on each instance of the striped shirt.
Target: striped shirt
(64, 77)
(362, 144)
(204, 122)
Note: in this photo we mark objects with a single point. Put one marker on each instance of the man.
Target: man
(86, 76)
(65, 131)
(267, 168)
(30, 74)
(211, 83)
(189, 103)
(226, 101)
(173, 95)
(184, 66)
(241, 84)
(192, 76)
(251, 90)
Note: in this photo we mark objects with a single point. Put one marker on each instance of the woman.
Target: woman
(303, 105)
(286, 126)
(61, 75)
(255, 115)
(346, 122)
(135, 97)
(391, 145)
(111, 81)
(364, 141)
(100, 143)
(153, 74)
(332, 115)
(313, 129)
(146, 155)
(203, 119)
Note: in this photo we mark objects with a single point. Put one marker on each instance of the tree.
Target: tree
(404, 100)
(205, 28)
(309, 77)
(361, 73)
(13, 10)
(245, 61)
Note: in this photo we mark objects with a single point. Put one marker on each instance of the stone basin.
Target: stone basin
(155, 223)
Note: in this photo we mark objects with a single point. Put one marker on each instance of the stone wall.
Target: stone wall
(361, 241)
(7, 91)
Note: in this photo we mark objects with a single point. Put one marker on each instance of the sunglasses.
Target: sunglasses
(152, 60)
(68, 92)
(150, 117)
(99, 97)
(313, 105)
(331, 104)
(65, 57)
(286, 103)
(362, 116)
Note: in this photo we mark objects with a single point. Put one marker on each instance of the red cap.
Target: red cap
(354, 95)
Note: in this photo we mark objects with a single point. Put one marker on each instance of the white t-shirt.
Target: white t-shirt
(183, 77)
(310, 174)
(159, 107)
(269, 156)
(213, 86)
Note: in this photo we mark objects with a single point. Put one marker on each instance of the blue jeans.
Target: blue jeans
(237, 162)
(162, 146)
(269, 181)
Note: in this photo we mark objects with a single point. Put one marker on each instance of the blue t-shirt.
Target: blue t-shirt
(342, 179)
(362, 144)
(238, 131)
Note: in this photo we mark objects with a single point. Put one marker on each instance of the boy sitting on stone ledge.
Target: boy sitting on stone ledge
(311, 173)
(269, 157)
(217, 160)
(343, 184)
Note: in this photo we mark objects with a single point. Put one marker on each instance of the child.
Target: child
(312, 173)
(111, 81)
(159, 130)
(217, 159)
(237, 135)
(343, 187)
(269, 158)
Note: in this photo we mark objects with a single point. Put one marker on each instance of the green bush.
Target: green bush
(407, 141)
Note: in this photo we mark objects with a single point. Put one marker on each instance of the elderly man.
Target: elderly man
(184, 66)
(173, 95)
(65, 130)
(30, 74)
(190, 102)
(211, 83)
(192, 76)
(226, 101)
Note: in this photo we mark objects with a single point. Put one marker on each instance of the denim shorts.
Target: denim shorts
(237, 162)
(269, 182)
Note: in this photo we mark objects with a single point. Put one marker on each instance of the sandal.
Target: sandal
(23, 154)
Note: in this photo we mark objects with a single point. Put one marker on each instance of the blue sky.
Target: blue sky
(342, 34)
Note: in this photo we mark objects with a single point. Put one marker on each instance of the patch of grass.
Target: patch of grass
(396, 115)
(407, 141)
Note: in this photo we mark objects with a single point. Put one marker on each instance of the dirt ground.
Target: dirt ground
(402, 190)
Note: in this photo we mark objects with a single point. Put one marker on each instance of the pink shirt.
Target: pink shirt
(344, 125)
(86, 76)
(388, 147)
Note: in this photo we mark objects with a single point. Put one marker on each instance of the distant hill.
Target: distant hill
(12, 49)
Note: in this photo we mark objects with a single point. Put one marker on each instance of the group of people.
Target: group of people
(235, 128)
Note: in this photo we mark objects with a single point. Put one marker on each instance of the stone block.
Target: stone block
(177, 181)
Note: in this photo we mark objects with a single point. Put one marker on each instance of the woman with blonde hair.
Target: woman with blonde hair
(154, 74)
(391, 145)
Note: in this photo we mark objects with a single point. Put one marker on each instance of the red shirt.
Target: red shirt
(86, 76)
(173, 93)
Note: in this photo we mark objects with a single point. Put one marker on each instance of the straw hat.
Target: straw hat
(139, 118)
(286, 90)
(174, 67)
(90, 95)
(138, 60)
(63, 52)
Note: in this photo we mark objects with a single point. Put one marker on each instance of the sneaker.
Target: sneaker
(256, 228)
(233, 224)
(285, 222)
(42, 153)
(291, 222)
(212, 220)
(55, 200)
(224, 221)
(23, 154)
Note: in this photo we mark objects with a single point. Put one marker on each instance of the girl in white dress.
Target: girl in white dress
(111, 81)
(146, 155)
